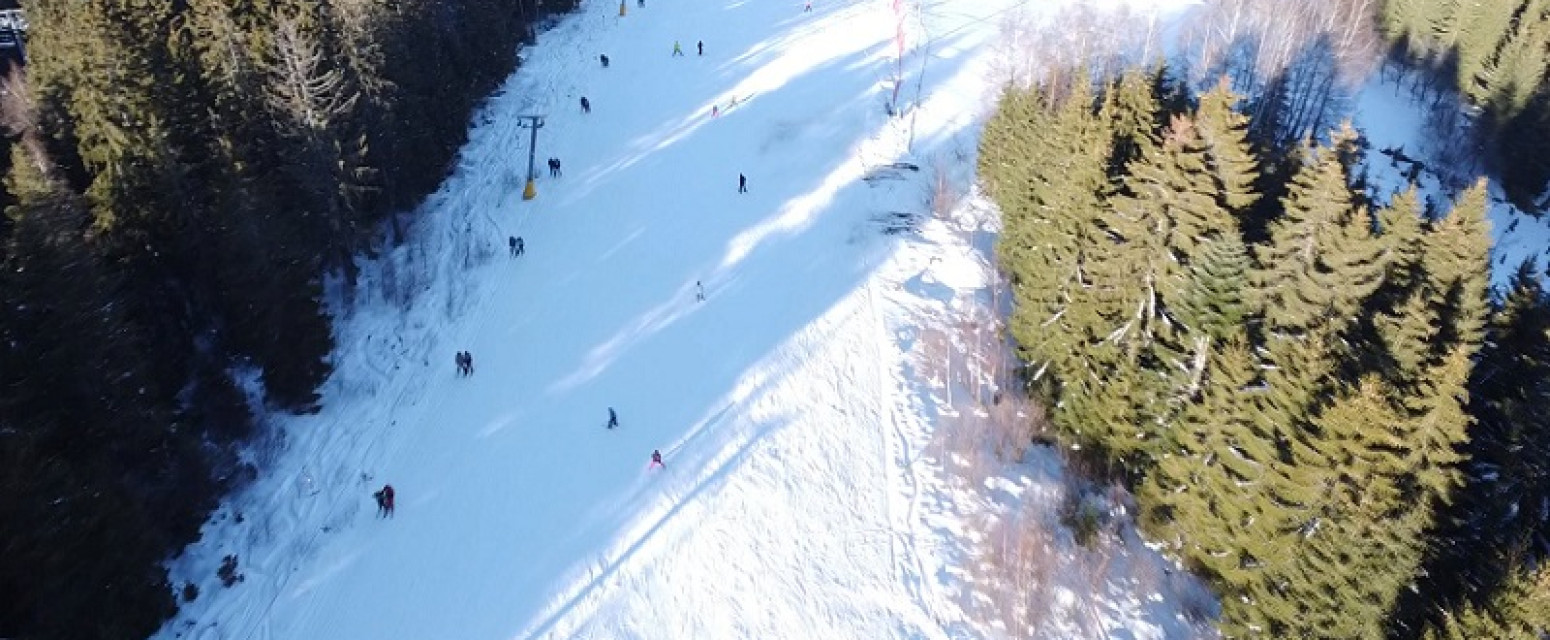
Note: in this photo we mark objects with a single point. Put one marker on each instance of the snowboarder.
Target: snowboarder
(656, 460)
(604, 59)
(384, 498)
(701, 46)
(511, 242)
(699, 291)
(677, 50)
(742, 183)
(586, 105)
(613, 418)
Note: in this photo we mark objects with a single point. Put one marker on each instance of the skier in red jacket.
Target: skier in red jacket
(384, 498)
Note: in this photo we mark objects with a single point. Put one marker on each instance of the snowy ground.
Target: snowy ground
(801, 497)
(1391, 119)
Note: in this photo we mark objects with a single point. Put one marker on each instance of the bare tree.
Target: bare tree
(315, 101)
(19, 116)
(312, 95)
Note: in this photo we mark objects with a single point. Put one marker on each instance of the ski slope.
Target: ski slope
(798, 499)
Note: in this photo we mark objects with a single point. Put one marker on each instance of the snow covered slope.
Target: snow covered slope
(795, 501)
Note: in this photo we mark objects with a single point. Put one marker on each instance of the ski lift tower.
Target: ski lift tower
(535, 123)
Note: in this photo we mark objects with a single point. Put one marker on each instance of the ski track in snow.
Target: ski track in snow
(797, 500)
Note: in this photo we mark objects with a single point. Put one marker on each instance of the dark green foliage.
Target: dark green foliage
(1298, 382)
(1495, 53)
(173, 205)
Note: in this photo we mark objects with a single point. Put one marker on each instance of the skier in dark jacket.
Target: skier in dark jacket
(613, 418)
(701, 45)
(512, 242)
(384, 498)
(586, 105)
(604, 59)
(742, 183)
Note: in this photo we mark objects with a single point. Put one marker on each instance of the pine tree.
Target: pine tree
(1226, 136)
(1520, 610)
(1215, 301)
(1213, 493)
(1356, 544)
(1481, 28)
(1323, 259)
(1401, 235)
(1455, 255)
(1508, 79)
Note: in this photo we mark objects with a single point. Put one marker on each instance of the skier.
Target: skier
(715, 111)
(512, 242)
(559, 171)
(604, 59)
(460, 367)
(521, 249)
(808, 8)
(699, 291)
(384, 498)
(701, 46)
(677, 50)
(468, 356)
(742, 183)
(586, 105)
(656, 460)
(613, 418)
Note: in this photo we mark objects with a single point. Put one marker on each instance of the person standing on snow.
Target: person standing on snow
(701, 45)
(604, 59)
(677, 50)
(742, 183)
(384, 498)
(586, 105)
(656, 460)
(699, 291)
(613, 418)
(512, 242)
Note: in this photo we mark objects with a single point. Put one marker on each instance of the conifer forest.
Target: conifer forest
(181, 178)
(1318, 399)
(1320, 403)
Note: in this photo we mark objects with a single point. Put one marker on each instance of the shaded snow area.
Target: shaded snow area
(810, 487)
(1424, 140)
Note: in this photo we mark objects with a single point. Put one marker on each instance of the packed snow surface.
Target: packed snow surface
(799, 498)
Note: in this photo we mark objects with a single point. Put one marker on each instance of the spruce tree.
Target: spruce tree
(1323, 259)
(1520, 610)
(1226, 136)
(1214, 492)
(1455, 255)
(1214, 301)
(1356, 543)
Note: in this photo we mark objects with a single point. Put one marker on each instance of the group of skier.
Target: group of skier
(465, 359)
